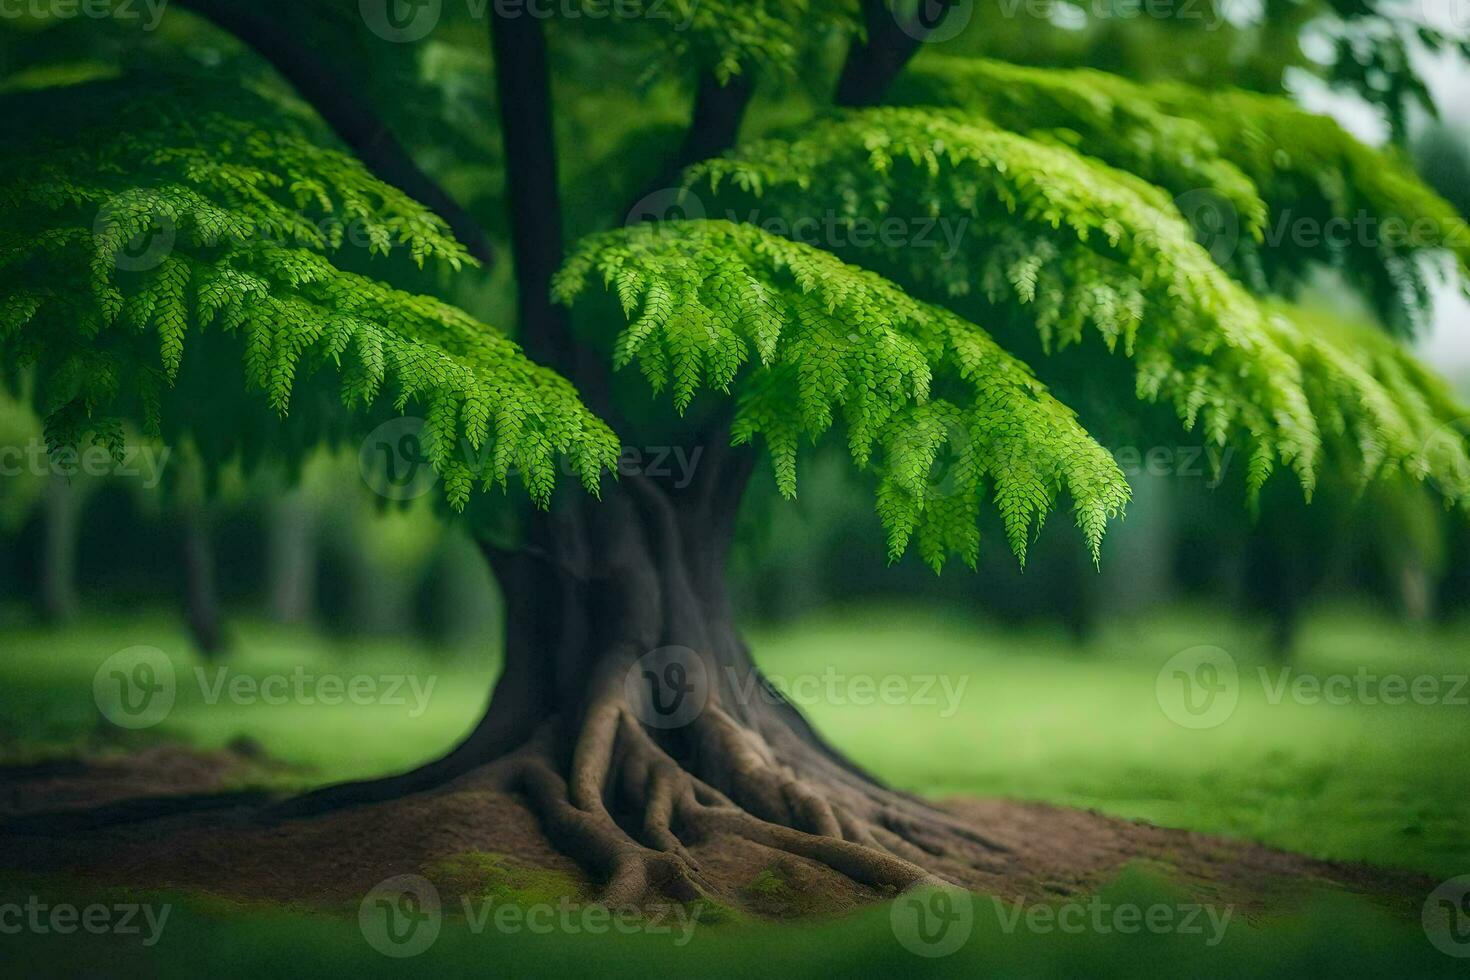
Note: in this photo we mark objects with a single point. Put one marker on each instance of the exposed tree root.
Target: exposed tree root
(617, 799)
(629, 797)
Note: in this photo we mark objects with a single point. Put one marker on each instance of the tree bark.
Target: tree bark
(633, 721)
(629, 713)
(331, 92)
(714, 127)
(892, 39)
(523, 89)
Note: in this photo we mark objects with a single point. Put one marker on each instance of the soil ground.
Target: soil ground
(465, 832)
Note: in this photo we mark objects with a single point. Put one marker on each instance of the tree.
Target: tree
(167, 239)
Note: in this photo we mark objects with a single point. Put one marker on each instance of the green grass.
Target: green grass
(993, 712)
(50, 708)
(1332, 936)
(1031, 716)
(1039, 719)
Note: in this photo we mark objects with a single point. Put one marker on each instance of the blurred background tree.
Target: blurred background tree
(320, 551)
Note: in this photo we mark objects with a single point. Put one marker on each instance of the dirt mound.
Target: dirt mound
(460, 834)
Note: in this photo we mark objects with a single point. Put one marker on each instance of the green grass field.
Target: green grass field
(958, 709)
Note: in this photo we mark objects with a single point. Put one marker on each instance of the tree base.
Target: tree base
(473, 833)
(628, 802)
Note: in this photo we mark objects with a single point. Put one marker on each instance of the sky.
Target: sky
(1446, 345)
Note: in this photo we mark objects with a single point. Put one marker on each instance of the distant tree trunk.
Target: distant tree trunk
(1275, 589)
(201, 595)
(62, 519)
(1280, 576)
(1417, 590)
(1080, 609)
(291, 558)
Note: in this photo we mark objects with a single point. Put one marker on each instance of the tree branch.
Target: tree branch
(330, 93)
(892, 40)
(714, 125)
(523, 91)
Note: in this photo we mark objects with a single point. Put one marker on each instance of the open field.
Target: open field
(940, 706)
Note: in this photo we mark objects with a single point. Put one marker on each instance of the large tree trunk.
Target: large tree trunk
(629, 714)
(631, 718)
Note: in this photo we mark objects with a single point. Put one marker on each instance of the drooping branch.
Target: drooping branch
(893, 38)
(331, 92)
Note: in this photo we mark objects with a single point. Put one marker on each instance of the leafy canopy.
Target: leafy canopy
(139, 216)
(828, 340)
(148, 225)
(1069, 244)
(1274, 190)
